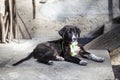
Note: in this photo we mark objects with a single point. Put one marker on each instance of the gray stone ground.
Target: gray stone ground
(31, 70)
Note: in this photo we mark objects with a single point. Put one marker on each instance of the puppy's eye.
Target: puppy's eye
(77, 35)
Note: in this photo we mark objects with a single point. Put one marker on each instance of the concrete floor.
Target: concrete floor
(31, 70)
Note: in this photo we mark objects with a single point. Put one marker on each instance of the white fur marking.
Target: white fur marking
(74, 38)
(96, 58)
(82, 62)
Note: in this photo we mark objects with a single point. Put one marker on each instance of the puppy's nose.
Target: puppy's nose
(74, 39)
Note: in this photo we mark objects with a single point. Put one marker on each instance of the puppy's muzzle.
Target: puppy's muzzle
(74, 39)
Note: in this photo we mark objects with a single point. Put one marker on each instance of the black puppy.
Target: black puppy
(67, 49)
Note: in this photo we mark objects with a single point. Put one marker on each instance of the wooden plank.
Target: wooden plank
(109, 40)
(3, 28)
(10, 36)
(34, 8)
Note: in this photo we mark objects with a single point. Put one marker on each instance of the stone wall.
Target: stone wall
(89, 15)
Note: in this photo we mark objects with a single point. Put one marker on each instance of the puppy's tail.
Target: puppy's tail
(24, 59)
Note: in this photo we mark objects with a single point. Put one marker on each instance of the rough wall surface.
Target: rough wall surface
(2, 7)
(89, 15)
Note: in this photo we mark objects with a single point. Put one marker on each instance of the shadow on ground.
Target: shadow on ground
(116, 70)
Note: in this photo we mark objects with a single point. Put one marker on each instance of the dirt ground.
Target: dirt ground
(115, 60)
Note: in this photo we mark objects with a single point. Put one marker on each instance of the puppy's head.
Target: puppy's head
(70, 33)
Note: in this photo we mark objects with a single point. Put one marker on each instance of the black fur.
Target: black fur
(60, 49)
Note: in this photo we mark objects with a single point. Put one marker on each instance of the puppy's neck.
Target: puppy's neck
(75, 43)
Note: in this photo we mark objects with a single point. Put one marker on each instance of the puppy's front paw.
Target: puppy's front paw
(59, 58)
(50, 63)
(83, 62)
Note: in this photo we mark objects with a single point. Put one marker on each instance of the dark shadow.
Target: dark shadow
(116, 70)
(96, 34)
(110, 9)
(99, 32)
(119, 4)
(116, 20)
(84, 41)
(115, 23)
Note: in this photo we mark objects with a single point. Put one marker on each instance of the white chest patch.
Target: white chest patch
(74, 48)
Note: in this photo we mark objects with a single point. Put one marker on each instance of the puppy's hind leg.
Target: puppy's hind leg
(46, 58)
(59, 58)
(48, 62)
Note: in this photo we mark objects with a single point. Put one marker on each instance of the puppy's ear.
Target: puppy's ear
(62, 32)
(78, 31)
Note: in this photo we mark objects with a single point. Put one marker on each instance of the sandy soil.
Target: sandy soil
(115, 60)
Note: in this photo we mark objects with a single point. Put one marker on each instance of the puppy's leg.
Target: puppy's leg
(59, 58)
(93, 57)
(45, 61)
(90, 56)
(46, 58)
(75, 60)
